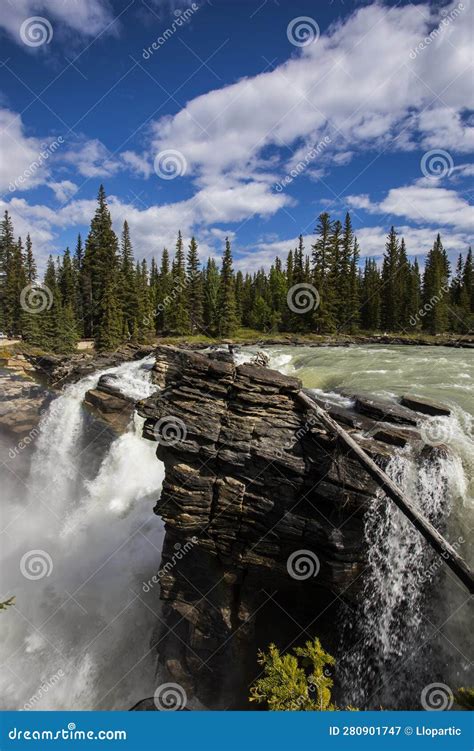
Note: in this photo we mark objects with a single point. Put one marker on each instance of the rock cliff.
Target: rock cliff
(263, 513)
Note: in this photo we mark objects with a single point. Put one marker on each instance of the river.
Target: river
(80, 538)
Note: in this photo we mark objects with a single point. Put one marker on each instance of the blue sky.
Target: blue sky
(265, 112)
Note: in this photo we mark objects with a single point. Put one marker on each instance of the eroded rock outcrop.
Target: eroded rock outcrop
(256, 495)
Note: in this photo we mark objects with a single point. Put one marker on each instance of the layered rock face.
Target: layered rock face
(263, 513)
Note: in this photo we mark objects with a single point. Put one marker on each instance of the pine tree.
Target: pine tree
(194, 288)
(178, 315)
(100, 271)
(321, 253)
(370, 296)
(343, 289)
(15, 284)
(30, 264)
(211, 297)
(353, 309)
(80, 293)
(7, 243)
(129, 288)
(390, 283)
(227, 317)
(435, 289)
(163, 299)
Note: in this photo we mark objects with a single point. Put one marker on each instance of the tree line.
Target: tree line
(99, 291)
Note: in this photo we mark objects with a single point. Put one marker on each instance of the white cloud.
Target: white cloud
(421, 203)
(136, 163)
(21, 164)
(358, 82)
(87, 17)
(63, 190)
(92, 159)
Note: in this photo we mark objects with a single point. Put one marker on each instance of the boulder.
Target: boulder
(425, 406)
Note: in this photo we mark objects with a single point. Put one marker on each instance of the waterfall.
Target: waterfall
(392, 627)
(77, 551)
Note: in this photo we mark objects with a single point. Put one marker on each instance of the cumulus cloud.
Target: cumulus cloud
(357, 82)
(421, 203)
(21, 165)
(87, 17)
(63, 190)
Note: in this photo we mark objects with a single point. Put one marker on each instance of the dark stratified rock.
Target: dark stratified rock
(425, 406)
(253, 483)
(108, 402)
(377, 409)
(62, 369)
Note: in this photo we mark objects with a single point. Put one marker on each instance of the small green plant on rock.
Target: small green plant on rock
(295, 682)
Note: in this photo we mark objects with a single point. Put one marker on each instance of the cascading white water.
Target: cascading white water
(77, 553)
(393, 625)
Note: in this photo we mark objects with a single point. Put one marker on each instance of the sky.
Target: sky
(239, 118)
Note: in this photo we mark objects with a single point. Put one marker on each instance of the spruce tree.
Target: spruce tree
(194, 288)
(227, 316)
(390, 283)
(211, 297)
(129, 288)
(7, 243)
(178, 314)
(100, 271)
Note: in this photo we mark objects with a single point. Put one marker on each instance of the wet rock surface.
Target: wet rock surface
(254, 484)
